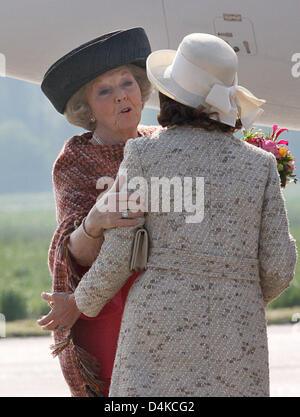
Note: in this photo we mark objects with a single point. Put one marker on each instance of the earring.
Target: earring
(93, 119)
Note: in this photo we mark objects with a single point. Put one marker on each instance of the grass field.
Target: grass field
(27, 223)
(29, 327)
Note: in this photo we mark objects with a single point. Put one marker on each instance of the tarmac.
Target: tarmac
(27, 368)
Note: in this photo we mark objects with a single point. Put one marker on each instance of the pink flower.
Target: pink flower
(253, 141)
(279, 133)
(270, 146)
(275, 127)
(275, 137)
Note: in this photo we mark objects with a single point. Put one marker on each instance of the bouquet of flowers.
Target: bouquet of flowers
(285, 161)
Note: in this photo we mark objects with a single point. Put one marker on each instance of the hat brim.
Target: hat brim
(91, 59)
(159, 72)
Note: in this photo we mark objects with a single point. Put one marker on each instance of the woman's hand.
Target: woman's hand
(107, 212)
(64, 312)
(84, 249)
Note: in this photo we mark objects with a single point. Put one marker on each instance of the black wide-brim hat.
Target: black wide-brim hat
(93, 58)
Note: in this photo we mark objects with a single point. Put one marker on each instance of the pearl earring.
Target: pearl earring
(93, 119)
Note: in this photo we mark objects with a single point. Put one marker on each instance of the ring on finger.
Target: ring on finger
(60, 329)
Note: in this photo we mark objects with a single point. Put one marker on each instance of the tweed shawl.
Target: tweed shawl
(194, 322)
(75, 173)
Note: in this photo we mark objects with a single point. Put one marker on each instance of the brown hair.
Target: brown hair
(174, 113)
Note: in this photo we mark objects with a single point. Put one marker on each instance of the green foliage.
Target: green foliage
(27, 224)
(25, 328)
(13, 305)
(32, 134)
(291, 296)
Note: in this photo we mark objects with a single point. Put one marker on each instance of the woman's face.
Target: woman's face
(116, 102)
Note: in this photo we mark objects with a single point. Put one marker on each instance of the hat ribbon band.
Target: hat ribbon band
(233, 102)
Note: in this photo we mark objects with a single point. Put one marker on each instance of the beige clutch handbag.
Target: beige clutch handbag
(139, 251)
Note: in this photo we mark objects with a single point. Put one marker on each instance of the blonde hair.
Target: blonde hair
(78, 111)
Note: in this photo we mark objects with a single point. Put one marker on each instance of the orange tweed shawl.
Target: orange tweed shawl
(75, 173)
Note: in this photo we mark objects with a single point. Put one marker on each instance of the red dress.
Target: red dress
(86, 354)
(99, 335)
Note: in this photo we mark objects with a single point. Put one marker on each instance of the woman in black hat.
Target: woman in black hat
(102, 87)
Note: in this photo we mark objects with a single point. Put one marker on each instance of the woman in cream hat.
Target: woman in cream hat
(194, 322)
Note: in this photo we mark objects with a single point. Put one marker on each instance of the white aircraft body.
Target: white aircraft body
(264, 33)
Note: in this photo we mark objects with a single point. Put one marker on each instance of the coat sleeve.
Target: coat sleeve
(110, 270)
(277, 248)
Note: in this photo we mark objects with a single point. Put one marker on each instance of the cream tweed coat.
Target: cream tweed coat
(194, 321)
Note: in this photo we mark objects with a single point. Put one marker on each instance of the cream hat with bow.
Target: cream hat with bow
(203, 72)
